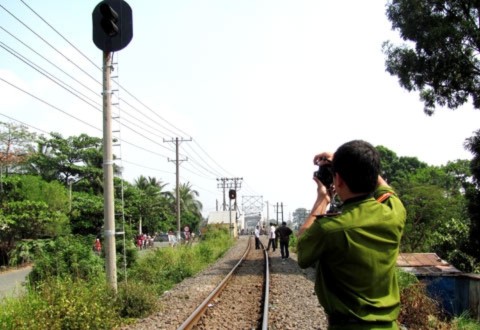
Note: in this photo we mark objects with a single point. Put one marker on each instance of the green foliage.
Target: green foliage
(66, 299)
(69, 256)
(86, 217)
(405, 279)
(24, 252)
(77, 157)
(129, 256)
(162, 268)
(31, 219)
(30, 208)
(147, 201)
(34, 188)
(441, 62)
(61, 303)
(465, 322)
(190, 204)
(473, 196)
(16, 146)
(135, 299)
(292, 243)
(440, 59)
(425, 209)
(396, 169)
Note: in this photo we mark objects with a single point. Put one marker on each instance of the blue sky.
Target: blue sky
(259, 86)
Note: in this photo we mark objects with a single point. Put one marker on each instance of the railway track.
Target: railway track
(292, 303)
(240, 301)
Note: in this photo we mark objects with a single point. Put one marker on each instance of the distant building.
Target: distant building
(226, 218)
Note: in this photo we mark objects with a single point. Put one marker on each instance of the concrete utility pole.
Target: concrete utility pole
(281, 204)
(222, 183)
(108, 204)
(111, 32)
(177, 174)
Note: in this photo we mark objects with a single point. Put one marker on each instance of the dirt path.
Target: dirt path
(11, 281)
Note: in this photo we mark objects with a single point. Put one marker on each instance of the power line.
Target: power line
(78, 50)
(199, 160)
(49, 104)
(56, 50)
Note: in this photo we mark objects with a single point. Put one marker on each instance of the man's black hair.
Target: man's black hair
(358, 163)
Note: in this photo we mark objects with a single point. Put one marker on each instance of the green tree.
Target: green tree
(440, 59)
(76, 158)
(299, 215)
(190, 206)
(16, 145)
(151, 204)
(31, 208)
(86, 215)
(425, 207)
(395, 168)
(437, 219)
(473, 196)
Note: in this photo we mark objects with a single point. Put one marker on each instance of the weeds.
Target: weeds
(67, 293)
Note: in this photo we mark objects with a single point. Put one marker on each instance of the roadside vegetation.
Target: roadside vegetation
(51, 212)
(67, 287)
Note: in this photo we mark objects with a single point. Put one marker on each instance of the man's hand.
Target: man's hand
(323, 158)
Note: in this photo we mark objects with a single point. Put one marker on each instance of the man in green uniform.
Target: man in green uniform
(355, 251)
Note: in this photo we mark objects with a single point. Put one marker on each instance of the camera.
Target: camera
(324, 174)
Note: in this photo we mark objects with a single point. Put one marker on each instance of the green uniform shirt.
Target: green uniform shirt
(355, 253)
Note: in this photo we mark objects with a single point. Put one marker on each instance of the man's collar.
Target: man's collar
(356, 199)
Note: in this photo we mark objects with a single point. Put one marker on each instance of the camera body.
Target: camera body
(324, 174)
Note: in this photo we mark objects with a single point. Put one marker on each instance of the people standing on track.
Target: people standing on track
(257, 238)
(283, 234)
(354, 250)
(271, 238)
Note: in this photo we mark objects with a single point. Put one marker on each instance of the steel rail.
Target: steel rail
(266, 291)
(193, 319)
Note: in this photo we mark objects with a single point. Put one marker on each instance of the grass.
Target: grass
(71, 302)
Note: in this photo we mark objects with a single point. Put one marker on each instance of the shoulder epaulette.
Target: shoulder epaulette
(384, 197)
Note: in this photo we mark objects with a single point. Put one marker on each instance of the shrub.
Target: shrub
(418, 310)
(135, 300)
(465, 322)
(61, 304)
(69, 256)
(405, 279)
(162, 268)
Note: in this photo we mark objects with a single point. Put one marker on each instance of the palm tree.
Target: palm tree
(152, 202)
(188, 200)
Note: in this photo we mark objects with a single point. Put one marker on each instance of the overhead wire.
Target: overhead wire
(73, 46)
(46, 42)
(24, 124)
(123, 88)
(49, 104)
(198, 160)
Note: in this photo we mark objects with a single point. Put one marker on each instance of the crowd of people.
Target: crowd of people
(145, 241)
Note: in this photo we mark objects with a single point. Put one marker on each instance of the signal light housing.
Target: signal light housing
(112, 25)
